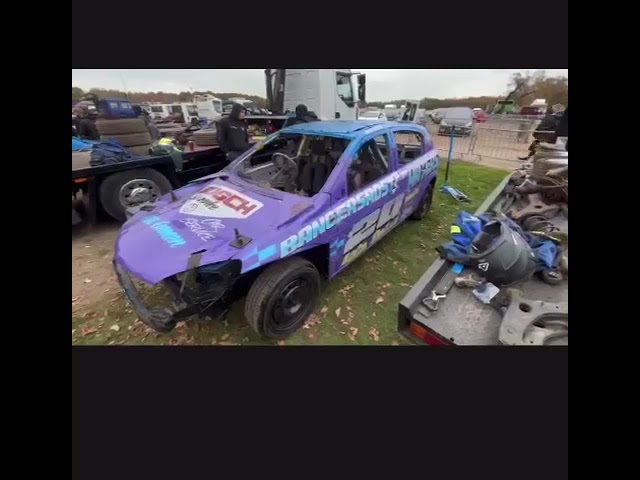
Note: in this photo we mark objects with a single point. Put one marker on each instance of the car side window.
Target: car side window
(370, 163)
(410, 146)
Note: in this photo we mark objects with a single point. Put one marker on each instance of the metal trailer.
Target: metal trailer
(462, 320)
(95, 188)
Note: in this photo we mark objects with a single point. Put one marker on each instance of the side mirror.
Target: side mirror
(362, 87)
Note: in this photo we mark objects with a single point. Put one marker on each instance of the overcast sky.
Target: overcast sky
(381, 84)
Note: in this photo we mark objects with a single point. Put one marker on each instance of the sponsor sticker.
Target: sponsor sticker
(220, 202)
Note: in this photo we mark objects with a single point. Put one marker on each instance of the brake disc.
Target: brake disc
(534, 322)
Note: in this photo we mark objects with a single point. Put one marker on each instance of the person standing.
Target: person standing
(151, 127)
(87, 129)
(232, 133)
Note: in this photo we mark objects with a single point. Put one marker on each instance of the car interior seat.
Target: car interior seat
(315, 172)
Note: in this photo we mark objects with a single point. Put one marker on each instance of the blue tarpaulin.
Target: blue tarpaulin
(78, 145)
(468, 226)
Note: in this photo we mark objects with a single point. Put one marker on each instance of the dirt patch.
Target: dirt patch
(92, 276)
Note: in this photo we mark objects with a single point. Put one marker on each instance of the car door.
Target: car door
(417, 166)
(371, 200)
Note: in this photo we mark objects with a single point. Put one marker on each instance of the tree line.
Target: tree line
(161, 97)
(527, 86)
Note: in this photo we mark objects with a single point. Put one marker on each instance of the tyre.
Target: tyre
(133, 187)
(205, 138)
(130, 139)
(142, 150)
(425, 205)
(121, 126)
(282, 298)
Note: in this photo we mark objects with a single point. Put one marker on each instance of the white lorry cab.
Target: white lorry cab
(329, 93)
(209, 107)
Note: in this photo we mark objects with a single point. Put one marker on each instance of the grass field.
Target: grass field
(359, 307)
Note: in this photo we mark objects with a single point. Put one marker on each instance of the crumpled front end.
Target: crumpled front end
(202, 291)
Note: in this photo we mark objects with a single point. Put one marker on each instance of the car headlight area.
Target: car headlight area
(200, 290)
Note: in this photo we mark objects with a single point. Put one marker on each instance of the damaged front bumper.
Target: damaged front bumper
(201, 291)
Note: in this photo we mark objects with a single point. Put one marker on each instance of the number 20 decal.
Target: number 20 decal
(379, 222)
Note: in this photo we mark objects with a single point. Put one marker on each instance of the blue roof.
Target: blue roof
(342, 128)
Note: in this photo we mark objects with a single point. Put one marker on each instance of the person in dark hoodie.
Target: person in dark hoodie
(303, 115)
(233, 137)
(87, 129)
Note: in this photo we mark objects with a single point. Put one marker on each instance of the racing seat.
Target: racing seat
(316, 171)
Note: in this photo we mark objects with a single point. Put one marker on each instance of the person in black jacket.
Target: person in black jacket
(233, 137)
(87, 129)
(303, 115)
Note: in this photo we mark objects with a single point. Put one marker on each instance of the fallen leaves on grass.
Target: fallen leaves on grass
(406, 285)
(374, 334)
(337, 312)
(312, 321)
(324, 310)
(224, 337)
(394, 343)
(115, 328)
(281, 343)
(379, 300)
(86, 330)
(352, 335)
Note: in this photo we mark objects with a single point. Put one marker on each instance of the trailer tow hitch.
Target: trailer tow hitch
(533, 322)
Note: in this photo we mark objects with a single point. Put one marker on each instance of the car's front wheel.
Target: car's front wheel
(282, 297)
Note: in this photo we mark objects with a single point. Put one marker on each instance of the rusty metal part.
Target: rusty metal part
(533, 322)
(471, 280)
(538, 223)
(563, 262)
(536, 205)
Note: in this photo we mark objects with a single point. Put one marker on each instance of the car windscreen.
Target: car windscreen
(371, 114)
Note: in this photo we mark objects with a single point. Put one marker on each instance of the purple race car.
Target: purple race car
(301, 205)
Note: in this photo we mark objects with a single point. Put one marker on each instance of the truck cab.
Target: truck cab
(329, 93)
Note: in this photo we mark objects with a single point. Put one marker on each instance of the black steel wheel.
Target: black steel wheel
(282, 297)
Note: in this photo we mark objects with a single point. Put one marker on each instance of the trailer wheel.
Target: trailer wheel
(121, 126)
(130, 139)
(131, 188)
(282, 298)
(425, 204)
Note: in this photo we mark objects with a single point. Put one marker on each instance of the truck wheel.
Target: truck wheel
(121, 126)
(131, 188)
(130, 139)
(425, 205)
(282, 298)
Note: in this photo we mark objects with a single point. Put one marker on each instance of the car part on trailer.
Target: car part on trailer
(534, 322)
(535, 205)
